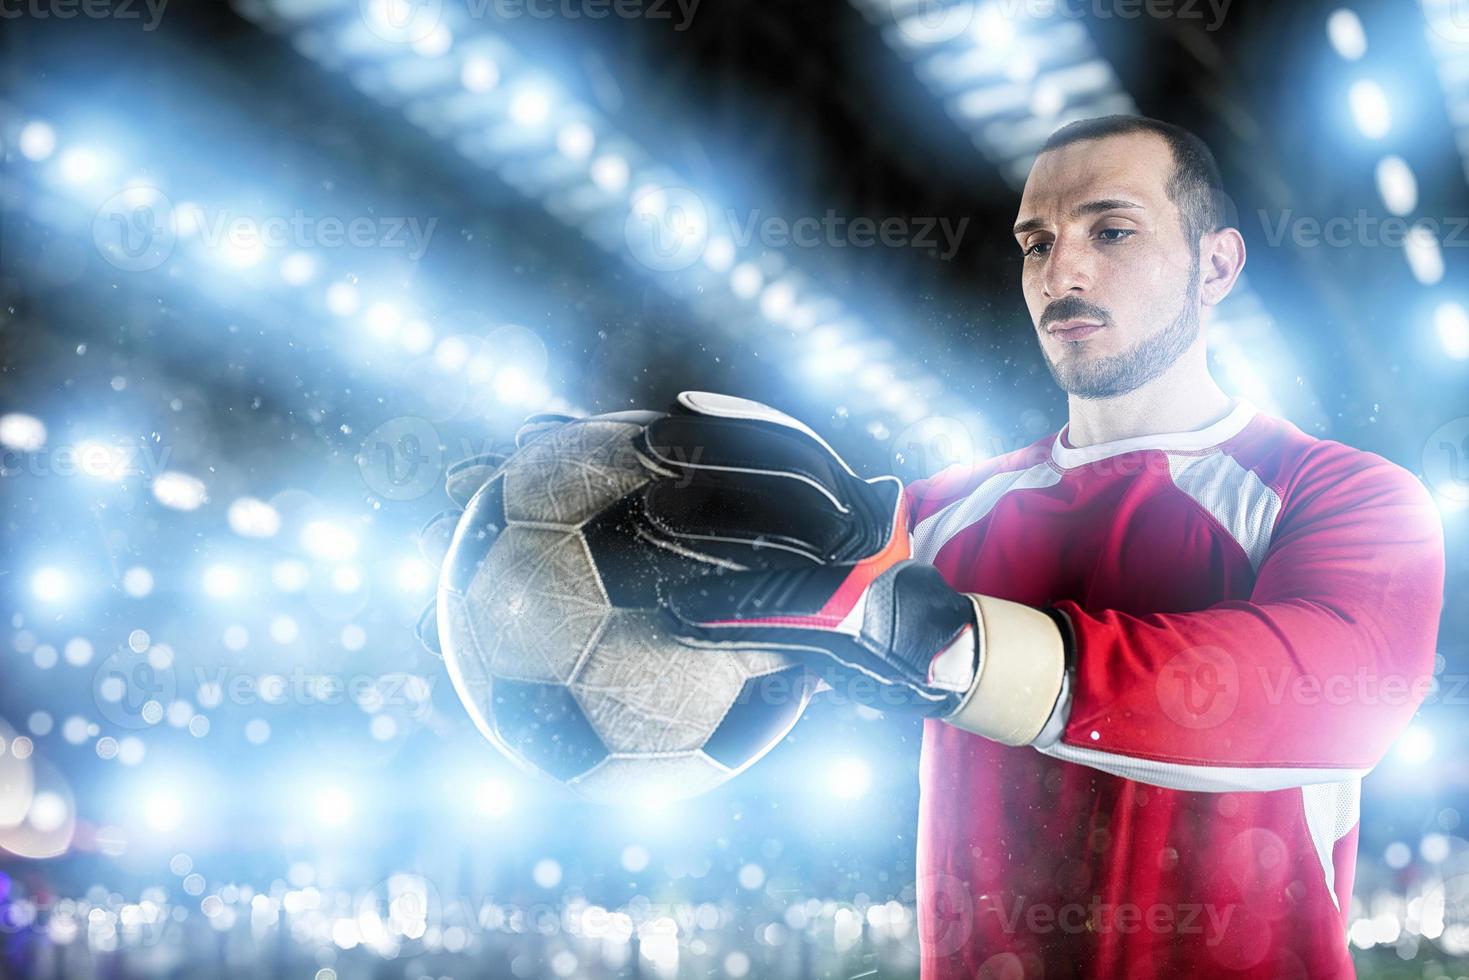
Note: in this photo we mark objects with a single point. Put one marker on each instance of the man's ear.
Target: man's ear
(1221, 260)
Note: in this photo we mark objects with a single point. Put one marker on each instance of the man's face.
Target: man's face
(1109, 277)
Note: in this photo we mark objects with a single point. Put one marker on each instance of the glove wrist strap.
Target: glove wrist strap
(1022, 661)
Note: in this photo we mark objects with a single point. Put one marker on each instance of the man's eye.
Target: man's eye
(1117, 234)
(1036, 249)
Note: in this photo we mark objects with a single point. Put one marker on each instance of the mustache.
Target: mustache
(1073, 308)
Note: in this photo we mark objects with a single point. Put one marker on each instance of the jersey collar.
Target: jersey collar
(1226, 428)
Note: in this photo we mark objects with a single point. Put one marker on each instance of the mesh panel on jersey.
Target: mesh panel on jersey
(1237, 498)
(1332, 810)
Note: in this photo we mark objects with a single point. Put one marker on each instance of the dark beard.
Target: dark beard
(1118, 374)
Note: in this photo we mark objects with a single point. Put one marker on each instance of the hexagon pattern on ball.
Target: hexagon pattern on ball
(562, 679)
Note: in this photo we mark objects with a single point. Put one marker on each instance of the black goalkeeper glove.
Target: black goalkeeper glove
(740, 480)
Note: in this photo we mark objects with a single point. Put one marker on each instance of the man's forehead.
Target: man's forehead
(1132, 168)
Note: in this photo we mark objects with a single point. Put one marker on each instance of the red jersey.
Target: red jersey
(1254, 613)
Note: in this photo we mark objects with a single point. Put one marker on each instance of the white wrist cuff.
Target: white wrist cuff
(1022, 670)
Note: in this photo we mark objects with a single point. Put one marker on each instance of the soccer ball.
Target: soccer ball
(547, 620)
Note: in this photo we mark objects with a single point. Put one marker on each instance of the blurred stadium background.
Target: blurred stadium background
(266, 267)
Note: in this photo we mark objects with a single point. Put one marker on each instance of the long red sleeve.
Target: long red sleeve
(1316, 672)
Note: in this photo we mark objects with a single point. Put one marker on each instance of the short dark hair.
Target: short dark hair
(1195, 187)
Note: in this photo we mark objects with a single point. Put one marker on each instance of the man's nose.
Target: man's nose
(1068, 269)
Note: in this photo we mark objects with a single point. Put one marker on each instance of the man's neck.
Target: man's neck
(1182, 399)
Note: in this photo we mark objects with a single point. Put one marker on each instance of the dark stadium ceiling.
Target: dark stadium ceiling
(794, 109)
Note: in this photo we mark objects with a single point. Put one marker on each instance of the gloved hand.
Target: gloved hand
(743, 482)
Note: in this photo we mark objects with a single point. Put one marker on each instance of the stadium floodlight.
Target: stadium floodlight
(37, 141)
(290, 575)
(342, 299)
(480, 73)
(220, 581)
(81, 165)
(179, 491)
(1448, 38)
(530, 106)
(1416, 745)
(382, 320)
(1370, 109)
(849, 778)
(333, 807)
(1396, 185)
(250, 517)
(1348, 37)
(1451, 323)
(237, 246)
(328, 541)
(22, 433)
(297, 269)
(483, 97)
(50, 584)
(98, 459)
(1007, 79)
(1425, 256)
(163, 811)
(493, 798)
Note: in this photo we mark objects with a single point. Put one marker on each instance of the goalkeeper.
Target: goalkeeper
(1158, 650)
